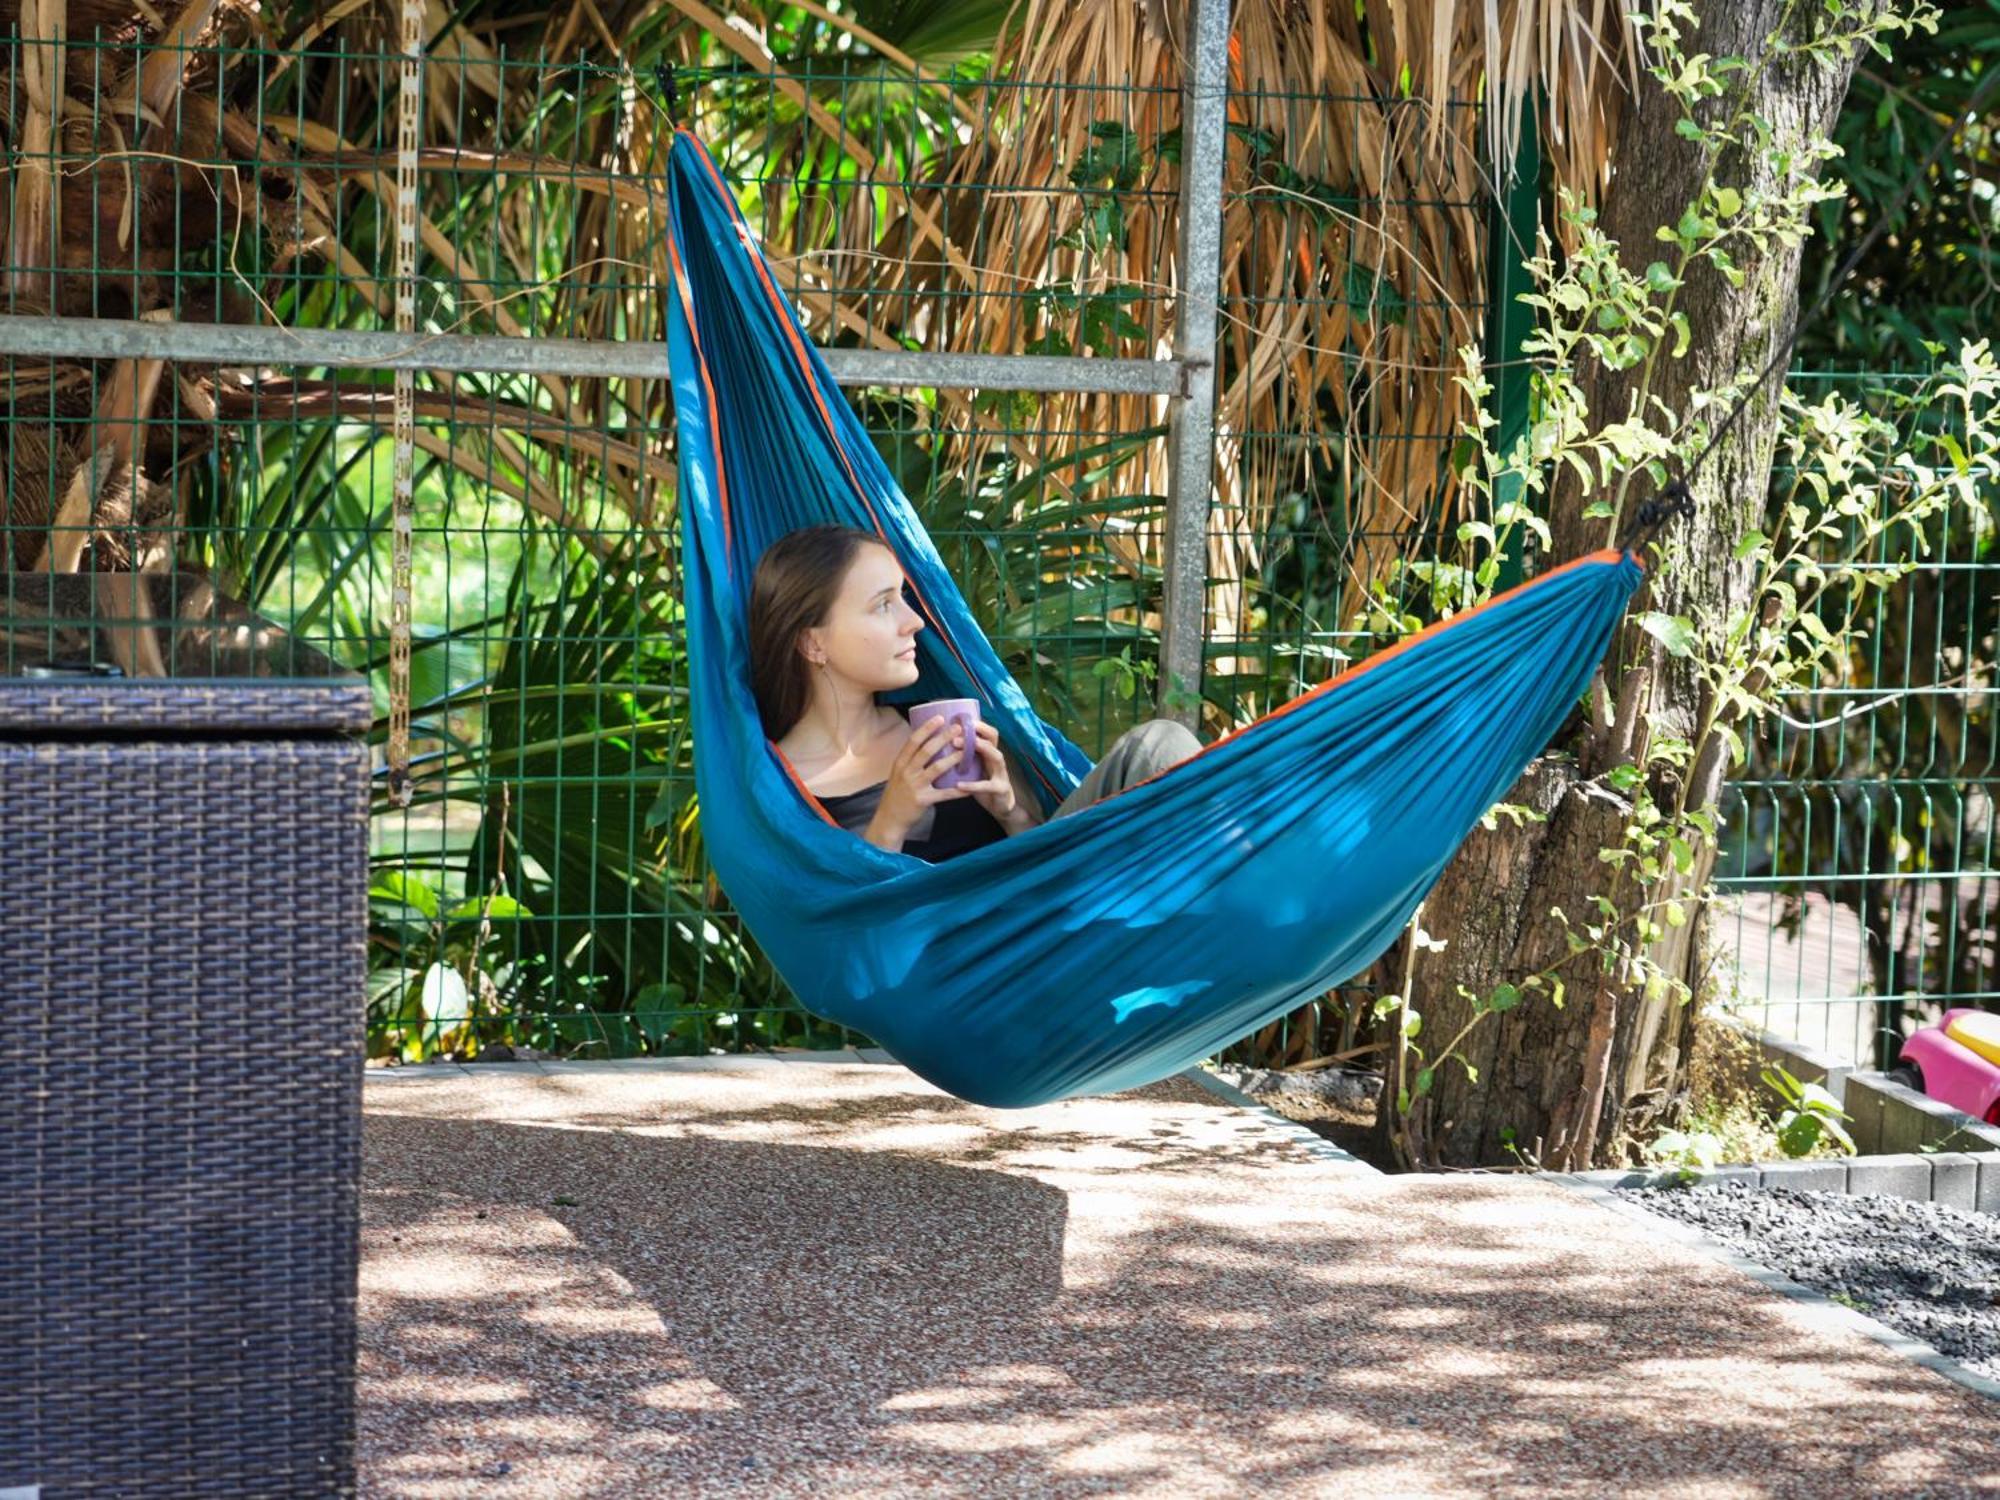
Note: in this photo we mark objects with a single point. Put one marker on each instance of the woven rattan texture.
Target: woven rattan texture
(344, 707)
(181, 984)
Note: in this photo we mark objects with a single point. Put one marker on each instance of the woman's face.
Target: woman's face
(871, 631)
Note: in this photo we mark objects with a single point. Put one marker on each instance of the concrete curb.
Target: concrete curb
(1815, 1310)
(1956, 1179)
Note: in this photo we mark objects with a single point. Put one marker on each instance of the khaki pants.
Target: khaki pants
(1140, 753)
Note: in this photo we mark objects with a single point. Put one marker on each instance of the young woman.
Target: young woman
(830, 628)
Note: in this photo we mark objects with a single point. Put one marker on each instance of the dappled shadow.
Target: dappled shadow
(704, 1311)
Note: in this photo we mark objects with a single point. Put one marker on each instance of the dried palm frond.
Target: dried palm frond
(115, 175)
(134, 170)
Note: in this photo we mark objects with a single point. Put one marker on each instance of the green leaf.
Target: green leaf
(394, 885)
(1778, 1078)
(499, 908)
(445, 998)
(1505, 997)
(1424, 1078)
(1596, 508)
(1659, 278)
(1798, 1133)
(1752, 540)
(1057, 610)
(1727, 202)
(1672, 631)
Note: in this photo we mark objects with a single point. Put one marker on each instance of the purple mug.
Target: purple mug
(966, 712)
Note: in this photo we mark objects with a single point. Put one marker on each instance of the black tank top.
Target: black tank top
(957, 827)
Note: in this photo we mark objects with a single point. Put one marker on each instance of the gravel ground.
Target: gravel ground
(752, 1277)
(1926, 1270)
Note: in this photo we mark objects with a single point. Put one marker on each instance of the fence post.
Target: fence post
(1191, 413)
(1511, 222)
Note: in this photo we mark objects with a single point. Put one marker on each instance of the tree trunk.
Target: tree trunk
(1492, 905)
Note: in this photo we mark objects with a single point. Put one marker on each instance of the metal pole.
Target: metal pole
(1191, 419)
(338, 348)
(409, 116)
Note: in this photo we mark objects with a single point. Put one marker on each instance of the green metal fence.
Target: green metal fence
(1860, 846)
(200, 340)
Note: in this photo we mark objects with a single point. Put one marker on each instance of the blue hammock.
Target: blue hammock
(1122, 943)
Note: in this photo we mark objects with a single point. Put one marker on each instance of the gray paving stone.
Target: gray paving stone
(1805, 1176)
(1989, 1183)
(1903, 1176)
(1911, 1121)
(1864, 1104)
(1740, 1171)
(1955, 1180)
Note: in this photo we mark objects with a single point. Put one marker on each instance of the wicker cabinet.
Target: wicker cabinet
(183, 820)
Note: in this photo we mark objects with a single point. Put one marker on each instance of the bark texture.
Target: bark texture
(1492, 905)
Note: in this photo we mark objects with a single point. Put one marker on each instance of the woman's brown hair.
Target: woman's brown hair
(793, 589)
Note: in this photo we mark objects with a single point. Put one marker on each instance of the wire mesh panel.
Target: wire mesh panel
(546, 887)
(1861, 839)
(1358, 263)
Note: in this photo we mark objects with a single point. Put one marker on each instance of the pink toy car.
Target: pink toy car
(1956, 1062)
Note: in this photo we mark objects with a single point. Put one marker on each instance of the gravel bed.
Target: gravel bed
(1925, 1270)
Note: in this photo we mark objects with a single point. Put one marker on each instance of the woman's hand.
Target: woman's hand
(908, 790)
(996, 792)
